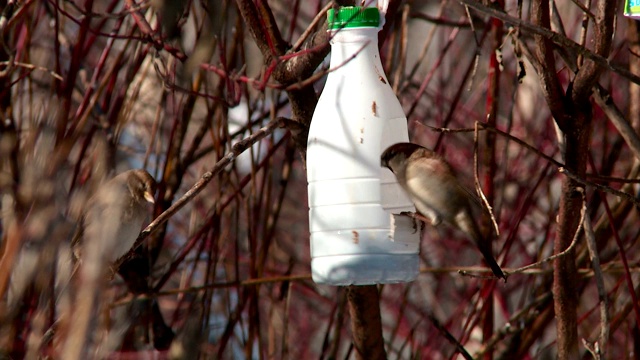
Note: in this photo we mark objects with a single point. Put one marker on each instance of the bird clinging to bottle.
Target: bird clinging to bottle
(435, 191)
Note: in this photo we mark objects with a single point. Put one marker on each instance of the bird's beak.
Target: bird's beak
(385, 164)
(149, 197)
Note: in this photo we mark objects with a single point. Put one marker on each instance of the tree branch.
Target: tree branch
(364, 307)
(236, 150)
(556, 38)
(545, 64)
(588, 75)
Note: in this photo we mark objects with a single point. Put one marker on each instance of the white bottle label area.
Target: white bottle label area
(357, 233)
(352, 199)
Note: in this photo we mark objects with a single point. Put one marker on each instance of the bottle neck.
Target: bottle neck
(354, 35)
(354, 45)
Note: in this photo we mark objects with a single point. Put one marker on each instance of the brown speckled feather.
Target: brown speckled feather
(436, 192)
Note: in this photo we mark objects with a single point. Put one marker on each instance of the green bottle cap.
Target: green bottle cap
(352, 17)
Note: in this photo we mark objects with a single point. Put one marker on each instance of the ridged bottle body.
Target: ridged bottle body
(357, 234)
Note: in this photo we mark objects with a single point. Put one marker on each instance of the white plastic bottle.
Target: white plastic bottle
(357, 234)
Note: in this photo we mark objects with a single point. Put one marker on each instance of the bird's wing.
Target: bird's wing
(472, 195)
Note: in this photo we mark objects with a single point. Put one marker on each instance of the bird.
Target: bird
(115, 214)
(111, 224)
(436, 192)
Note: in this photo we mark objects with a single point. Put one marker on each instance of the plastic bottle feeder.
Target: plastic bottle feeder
(357, 233)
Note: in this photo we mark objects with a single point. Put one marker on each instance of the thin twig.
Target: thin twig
(11, 64)
(507, 135)
(440, 20)
(560, 165)
(476, 181)
(601, 348)
(236, 150)
(584, 9)
(556, 38)
(617, 118)
(576, 236)
(513, 325)
(464, 270)
(604, 188)
(311, 26)
(603, 178)
(447, 335)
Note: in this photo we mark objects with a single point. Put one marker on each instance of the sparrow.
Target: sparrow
(112, 222)
(115, 215)
(436, 192)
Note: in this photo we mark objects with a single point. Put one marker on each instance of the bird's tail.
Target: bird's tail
(491, 261)
(466, 223)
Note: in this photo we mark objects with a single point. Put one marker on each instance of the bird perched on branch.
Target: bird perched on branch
(115, 214)
(436, 192)
(112, 222)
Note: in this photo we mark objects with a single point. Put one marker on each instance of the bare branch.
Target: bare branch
(545, 64)
(588, 74)
(236, 150)
(556, 38)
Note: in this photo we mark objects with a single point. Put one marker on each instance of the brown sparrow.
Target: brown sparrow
(115, 215)
(112, 222)
(435, 191)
